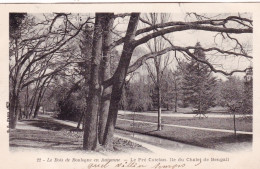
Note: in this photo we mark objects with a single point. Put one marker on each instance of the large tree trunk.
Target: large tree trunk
(14, 102)
(119, 80)
(13, 117)
(105, 74)
(90, 128)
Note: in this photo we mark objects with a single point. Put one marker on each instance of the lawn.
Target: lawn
(56, 136)
(208, 139)
(242, 124)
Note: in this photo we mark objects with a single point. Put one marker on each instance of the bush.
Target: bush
(71, 108)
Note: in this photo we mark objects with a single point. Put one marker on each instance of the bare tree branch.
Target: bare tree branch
(190, 27)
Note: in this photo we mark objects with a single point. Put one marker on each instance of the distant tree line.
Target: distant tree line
(192, 85)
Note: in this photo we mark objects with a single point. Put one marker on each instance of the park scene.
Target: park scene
(130, 82)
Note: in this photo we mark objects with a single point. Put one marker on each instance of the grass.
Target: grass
(242, 124)
(208, 139)
(60, 137)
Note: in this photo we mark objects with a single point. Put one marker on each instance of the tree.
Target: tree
(138, 95)
(160, 63)
(32, 44)
(49, 38)
(86, 50)
(130, 43)
(198, 85)
(171, 87)
(233, 97)
(248, 92)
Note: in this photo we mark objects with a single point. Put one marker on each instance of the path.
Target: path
(154, 144)
(211, 115)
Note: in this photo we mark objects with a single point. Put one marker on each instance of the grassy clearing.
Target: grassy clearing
(208, 139)
(242, 124)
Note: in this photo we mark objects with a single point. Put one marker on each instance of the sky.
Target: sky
(189, 38)
(207, 40)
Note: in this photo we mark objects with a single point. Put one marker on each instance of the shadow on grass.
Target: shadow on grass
(147, 132)
(59, 137)
(43, 140)
(48, 124)
(234, 139)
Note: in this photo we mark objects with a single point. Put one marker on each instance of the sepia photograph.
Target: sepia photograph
(129, 88)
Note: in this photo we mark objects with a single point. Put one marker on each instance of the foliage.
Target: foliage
(15, 23)
(248, 96)
(232, 94)
(198, 85)
(237, 95)
(70, 101)
(171, 88)
(136, 96)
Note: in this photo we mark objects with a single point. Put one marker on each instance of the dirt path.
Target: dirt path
(156, 145)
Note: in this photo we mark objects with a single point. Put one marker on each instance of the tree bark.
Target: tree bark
(105, 74)
(41, 95)
(80, 119)
(14, 94)
(90, 128)
(159, 127)
(234, 120)
(13, 111)
(119, 80)
(14, 102)
(176, 100)
(26, 110)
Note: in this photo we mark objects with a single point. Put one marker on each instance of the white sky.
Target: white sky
(190, 38)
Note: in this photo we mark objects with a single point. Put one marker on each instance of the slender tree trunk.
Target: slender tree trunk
(40, 96)
(32, 101)
(37, 106)
(26, 110)
(176, 94)
(235, 129)
(119, 80)
(175, 104)
(90, 137)
(80, 119)
(158, 84)
(20, 112)
(159, 127)
(105, 74)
